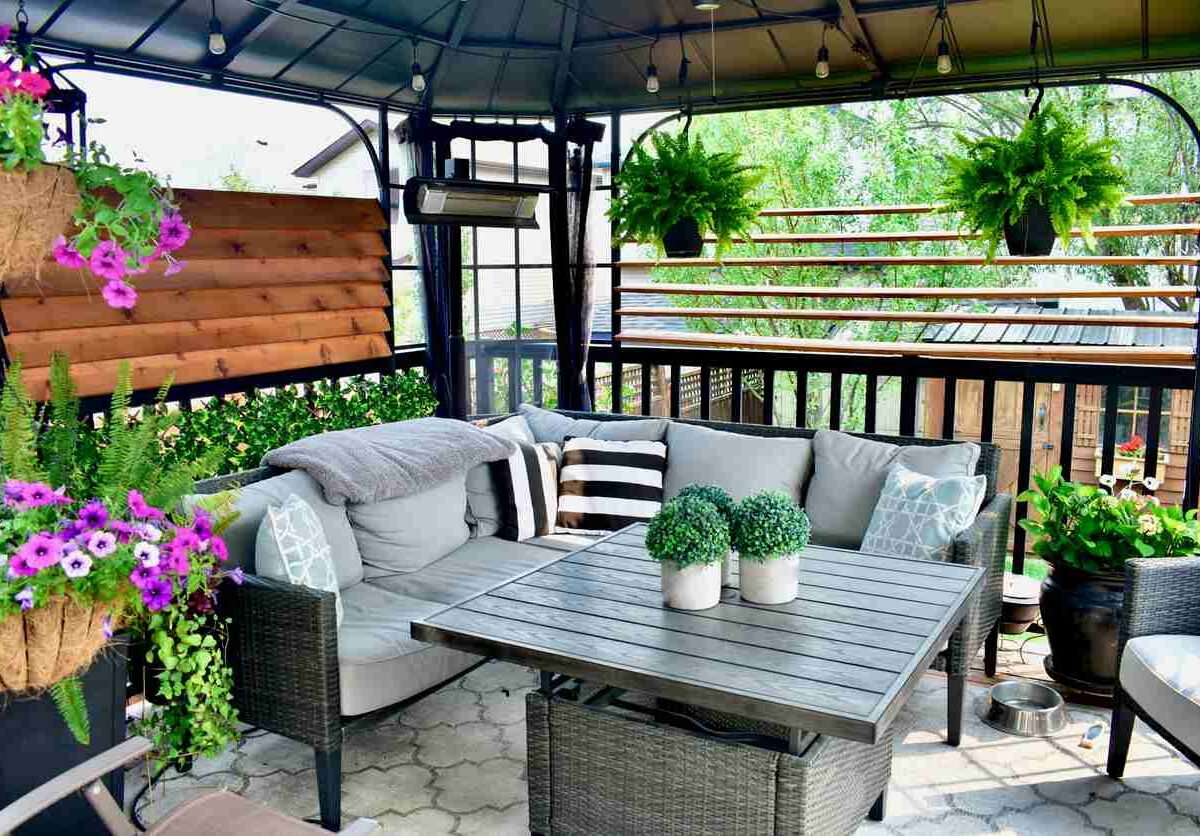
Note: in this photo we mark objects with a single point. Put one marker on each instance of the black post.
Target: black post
(384, 176)
(570, 379)
(453, 250)
(615, 258)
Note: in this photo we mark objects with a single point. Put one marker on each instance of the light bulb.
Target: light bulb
(652, 84)
(944, 64)
(216, 39)
(823, 62)
(418, 79)
(706, 5)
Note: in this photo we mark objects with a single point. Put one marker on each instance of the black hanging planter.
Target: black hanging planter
(1032, 233)
(683, 240)
(1081, 612)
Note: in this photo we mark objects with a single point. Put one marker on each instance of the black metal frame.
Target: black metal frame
(1125, 712)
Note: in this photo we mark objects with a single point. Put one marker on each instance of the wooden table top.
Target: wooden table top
(841, 659)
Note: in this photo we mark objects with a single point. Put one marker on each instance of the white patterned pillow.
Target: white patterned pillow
(919, 515)
(291, 546)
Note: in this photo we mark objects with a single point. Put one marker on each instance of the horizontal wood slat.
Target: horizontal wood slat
(916, 261)
(255, 210)
(215, 273)
(805, 292)
(85, 345)
(196, 366)
(1122, 320)
(282, 243)
(58, 312)
(925, 208)
(1128, 355)
(908, 236)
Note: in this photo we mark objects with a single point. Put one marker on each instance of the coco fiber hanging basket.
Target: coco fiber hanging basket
(41, 646)
(36, 207)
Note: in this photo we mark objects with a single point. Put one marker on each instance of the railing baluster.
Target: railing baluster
(705, 392)
(1024, 465)
(675, 390)
(987, 413)
(735, 396)
(908, 404)
(835, 400)
(1108, 452)
(515, 376)
(647, 390)
(949, 396)
(1153, 427)
(1066, 444)
(872, 403)
(591, 379)
(768, 396)
(801, 398)
(618, 387)
(538, 395)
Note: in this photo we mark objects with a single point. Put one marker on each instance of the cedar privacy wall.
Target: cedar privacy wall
(273, 283)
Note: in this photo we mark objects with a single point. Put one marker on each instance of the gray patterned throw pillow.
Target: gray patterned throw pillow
(919, 515)
(292, 547)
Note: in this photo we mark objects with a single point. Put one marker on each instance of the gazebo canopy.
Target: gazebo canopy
(536, 57)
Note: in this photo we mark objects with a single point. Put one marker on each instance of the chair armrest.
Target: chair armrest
(283, 651)
(985, 544)
(1162, 595)
(73, 780)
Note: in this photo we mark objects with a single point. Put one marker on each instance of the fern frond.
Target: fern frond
(61, 437)
(18, 437)
(114, 456)
(68, 697)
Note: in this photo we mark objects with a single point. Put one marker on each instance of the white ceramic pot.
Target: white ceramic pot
(695, 587)
(727, 565)
(770, 581)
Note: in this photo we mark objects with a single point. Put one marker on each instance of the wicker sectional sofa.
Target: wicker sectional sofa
(298, 674)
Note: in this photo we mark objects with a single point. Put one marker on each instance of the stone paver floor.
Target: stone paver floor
(454, 763)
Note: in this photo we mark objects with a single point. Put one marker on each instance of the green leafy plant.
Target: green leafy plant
(768, 525)
(688, 531)
(715, 495)
(1051, 162)
(681, 180)
(1090, 529)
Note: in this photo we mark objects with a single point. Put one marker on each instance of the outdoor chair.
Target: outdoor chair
(219, 813)
(1159, 657)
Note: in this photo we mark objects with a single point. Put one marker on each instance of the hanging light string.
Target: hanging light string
(712, 48)
(652, 83)
(1037, 30)
(949, 42)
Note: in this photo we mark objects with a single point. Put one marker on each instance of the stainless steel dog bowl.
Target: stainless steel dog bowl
(1026, 709)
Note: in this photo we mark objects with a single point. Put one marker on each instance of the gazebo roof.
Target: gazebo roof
(535, 57)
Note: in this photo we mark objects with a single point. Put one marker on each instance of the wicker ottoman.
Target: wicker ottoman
(606, 771)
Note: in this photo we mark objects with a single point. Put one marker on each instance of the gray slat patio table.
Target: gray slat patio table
(842, 659)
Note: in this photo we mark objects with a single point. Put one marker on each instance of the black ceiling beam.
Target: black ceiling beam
(155, 26)
(860, 39)
(54, 16)
(458, 30)
(566, 44)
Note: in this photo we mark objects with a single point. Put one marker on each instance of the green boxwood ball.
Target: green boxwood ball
(768, 525)
(688, 531)
(714, 494)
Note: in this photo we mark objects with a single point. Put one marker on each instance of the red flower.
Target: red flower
(33, 84)
(1133, 445)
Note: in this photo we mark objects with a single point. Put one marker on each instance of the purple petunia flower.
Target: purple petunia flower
(37, 495)
(66, 255)
(140, 508)
(122, 530)
(158, 594)
(94, 515)
(146, 554)
(148, 532)
(178, 563)
(142, 575)
(202, 526)
(238, 576)
(108, 262)
(119, 295)
(173, 232)
(106, 627)
(102, 543)
(25, 598)
(5, 29)
(219, 548)
(41, 550)
(185, 540)
(174, 266)
(76, 564)
(71, 530)
(14, 492)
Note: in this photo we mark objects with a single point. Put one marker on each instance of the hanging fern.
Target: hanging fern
(68, 697)
(61, 436)
(1052, 162)
(18, 438)
(114, 458)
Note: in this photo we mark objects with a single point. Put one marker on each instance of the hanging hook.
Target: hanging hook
(1037, 102)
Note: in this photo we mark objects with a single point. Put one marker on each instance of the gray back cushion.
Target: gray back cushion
(252, 503)
(848, 478)
(741, 464)
(551, 426)
(483, 501)
(408, 532)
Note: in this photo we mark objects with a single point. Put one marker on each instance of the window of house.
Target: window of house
(1133, 415)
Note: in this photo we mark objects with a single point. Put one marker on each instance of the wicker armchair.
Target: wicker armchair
(1158, 657)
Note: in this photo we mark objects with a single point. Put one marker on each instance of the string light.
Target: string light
(652, 82)
(822, 69)
(944, 64)
(706, 5)
(216, 38)
(418, 77)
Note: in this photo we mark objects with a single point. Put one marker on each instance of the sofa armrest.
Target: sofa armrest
(284, 654)
(985, 544)
(1162, 596)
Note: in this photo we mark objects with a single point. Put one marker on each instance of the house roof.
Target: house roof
(1055, 334)
(538, 57)
(334, 150)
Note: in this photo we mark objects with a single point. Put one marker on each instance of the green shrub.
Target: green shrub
(688, 531)
(768, 525)
(715, 495)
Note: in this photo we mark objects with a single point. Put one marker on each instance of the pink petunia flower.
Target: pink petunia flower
(33, 84)
(41, 550)
(19, 567)
(102, 543)
(14, 493)
(185, 540)
(67, 255)
(219, 548)
(8, 80)
(5, 31)
(119, 295)
(173, 232)
(76, 564)
(108, 261)
(143, 510)
(174, 266)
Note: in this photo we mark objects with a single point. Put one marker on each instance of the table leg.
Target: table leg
(879, 808)
(956, 687)
(547, 680)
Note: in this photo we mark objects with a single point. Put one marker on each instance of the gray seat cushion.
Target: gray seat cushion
(379, 661)
(408, 532)
(848, 477)
(551, 426)
(1162, 675)
(477, 566)
(741, 464)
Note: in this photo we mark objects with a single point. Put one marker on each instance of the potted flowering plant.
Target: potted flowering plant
(1086, 533)
(690, 538)
(92, 214)
(720, 499)
(769, 532)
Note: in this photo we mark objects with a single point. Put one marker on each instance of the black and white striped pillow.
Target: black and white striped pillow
(527, 488)
(604, 486)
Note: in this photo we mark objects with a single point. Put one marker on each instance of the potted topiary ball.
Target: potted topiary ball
(723, 502)
(769, 532)
(689, 538)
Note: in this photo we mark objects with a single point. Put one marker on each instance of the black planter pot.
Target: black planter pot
(1030, 234)
(1081, 612)
(683, 240)
(37, 746)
